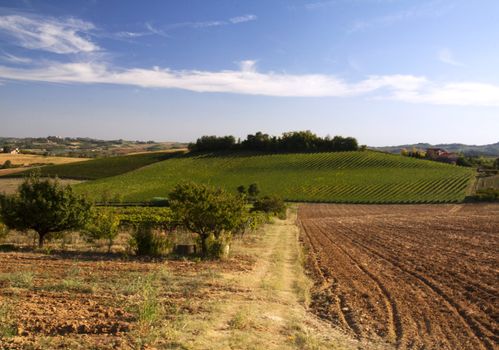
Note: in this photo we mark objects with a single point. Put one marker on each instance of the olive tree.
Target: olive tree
(45, 206)
(209, 212)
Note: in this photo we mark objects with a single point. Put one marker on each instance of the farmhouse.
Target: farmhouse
(441, 155)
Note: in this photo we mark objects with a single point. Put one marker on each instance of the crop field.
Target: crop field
(23, 162)
(104, 167)
(343, 177)
(417, 276)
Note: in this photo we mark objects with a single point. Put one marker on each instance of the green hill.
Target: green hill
(102, 167)
(349, 177)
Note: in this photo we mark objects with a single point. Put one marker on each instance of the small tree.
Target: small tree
(209, 212)
(104, 224)
(253, 190)
(44, 206)
(7, 164)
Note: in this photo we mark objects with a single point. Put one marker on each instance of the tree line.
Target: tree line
(294, 141)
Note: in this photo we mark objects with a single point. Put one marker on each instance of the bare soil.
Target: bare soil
(81, 299)
(416, 276)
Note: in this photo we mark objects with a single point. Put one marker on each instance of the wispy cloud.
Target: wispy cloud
(247, 80)
(242, 19)
(446, 56)
(435, 8)
(15, 59)
(319, 4)
(62, 36)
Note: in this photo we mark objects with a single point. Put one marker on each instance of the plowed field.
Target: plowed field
(417, 276)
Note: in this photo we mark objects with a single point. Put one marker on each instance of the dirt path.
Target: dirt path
(271, 312)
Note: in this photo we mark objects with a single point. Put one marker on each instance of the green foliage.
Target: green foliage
(253, 190)
(209, 212)
(241, 189)
(150, 242)
(486, 195)
(44, 206)
(4, 230)
(103, 167)
(104, 224)
(272, 205)
(6, 165)
(159, 217)
(338, 177)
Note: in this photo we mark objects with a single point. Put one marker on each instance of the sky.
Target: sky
(384, 71)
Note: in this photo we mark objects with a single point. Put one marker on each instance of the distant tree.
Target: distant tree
(7, 148)
(44, 206)
(209, 212)
(253, 190)
(241, 189)
(7, 164)
(496, 163)
(104, 224)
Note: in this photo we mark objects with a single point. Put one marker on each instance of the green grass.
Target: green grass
(101, 167)
(342, 177)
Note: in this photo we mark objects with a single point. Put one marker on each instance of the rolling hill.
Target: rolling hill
(491, 150)
(347, 177)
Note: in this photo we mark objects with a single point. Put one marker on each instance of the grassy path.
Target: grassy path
(268, 311)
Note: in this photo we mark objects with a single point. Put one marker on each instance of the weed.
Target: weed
(241, 320)
(7, 327)
(22, 279)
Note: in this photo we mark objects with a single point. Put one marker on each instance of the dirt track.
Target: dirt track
(418, 276)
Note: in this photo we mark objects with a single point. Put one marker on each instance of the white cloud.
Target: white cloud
(247, 80)
(242, 19)
(15, 59)
(48, 34)
(446, 56)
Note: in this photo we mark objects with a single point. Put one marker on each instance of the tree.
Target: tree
(4, 230)
(7, 164)
(241, 189)
(104, 224)
(253, 190)
(44, 206)
(209, 212)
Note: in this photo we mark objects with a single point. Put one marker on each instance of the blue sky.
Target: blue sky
(384, 71)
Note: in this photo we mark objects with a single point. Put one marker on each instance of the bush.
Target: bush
(104, 224)
(487, 195)
(4, 230)
(150, 242)
(271, 205)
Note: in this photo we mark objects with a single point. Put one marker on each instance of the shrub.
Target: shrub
(4, 230)
(147, 241)
(104, 224)
(271, 205)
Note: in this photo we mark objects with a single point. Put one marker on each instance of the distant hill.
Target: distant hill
(491, 150)
(84, 147)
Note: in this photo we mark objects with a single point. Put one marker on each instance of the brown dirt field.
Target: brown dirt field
(81, 299)
(417, 276)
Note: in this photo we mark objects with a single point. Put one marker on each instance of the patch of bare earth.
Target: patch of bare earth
(417, 276)
(254, 300)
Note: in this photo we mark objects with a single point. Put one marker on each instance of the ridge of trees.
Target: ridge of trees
(294, 141)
